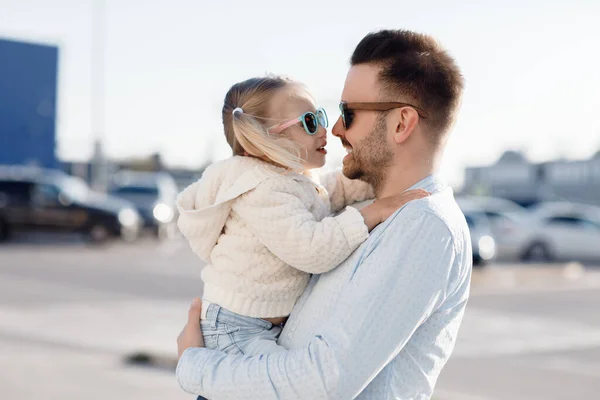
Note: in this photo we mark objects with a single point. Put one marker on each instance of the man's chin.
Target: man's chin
(351, 172)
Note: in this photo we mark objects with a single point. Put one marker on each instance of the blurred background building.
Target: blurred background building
(28, 97)
(516, 178)
(28, 119)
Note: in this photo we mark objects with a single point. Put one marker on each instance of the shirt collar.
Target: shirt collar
(432, 183)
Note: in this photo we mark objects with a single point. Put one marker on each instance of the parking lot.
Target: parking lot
(71, 314)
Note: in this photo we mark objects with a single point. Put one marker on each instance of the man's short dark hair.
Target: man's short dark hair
(417, 70)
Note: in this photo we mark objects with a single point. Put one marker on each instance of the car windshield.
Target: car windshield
(74, 188)
(142, 196)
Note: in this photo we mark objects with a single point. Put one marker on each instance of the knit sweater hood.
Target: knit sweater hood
(208, 201)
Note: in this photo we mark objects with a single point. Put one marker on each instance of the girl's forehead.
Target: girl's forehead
(291, 101)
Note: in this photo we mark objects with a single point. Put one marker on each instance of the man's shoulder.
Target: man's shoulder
(434, 217)
(440, 206)
(433, 231)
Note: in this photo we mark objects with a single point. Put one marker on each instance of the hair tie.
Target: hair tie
(237, 110)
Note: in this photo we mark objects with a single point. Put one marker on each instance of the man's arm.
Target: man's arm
(399, 283)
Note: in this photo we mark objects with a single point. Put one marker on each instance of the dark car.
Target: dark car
(153, 194)
(34, 199)
(482, 241)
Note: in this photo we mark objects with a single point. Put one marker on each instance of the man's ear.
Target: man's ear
(405, 120)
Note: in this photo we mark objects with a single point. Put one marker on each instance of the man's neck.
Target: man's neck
(398, 179)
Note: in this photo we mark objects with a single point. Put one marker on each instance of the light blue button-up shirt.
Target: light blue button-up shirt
(379, 326)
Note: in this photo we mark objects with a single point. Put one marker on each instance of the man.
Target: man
(382, 324)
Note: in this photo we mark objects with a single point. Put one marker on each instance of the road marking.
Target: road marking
(491, 333)
(443, 394)
(503, 281)
(29, 285)
(525, 290)
(569, 366)
(117, 326)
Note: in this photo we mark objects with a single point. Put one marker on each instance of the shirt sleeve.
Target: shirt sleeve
(343, 191)
(279, 218)
(398, 284)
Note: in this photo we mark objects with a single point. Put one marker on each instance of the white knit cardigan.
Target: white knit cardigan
(263, 231)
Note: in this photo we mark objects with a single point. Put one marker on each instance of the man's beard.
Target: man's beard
(370, 157)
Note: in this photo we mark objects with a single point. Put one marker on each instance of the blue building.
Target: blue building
(28, 86)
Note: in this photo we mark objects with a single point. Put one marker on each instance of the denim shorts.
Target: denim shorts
(237, 334)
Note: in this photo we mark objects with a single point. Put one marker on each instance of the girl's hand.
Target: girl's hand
(382, 209)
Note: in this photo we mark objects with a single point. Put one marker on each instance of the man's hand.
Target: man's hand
(191, 335)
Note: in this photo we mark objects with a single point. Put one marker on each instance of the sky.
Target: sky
(532, 69)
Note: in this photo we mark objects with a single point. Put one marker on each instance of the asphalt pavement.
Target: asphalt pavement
(71, 316)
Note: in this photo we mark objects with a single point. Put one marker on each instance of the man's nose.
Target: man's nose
(338, 128)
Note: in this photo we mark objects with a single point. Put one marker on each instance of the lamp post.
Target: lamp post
(98, 113)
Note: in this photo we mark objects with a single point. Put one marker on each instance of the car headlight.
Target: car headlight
(487, 247)
(128, 217)
(163, 213)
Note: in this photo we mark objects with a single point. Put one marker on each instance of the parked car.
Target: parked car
(33, 199)
(482, 240)
(564, 231)
(153, 194)
(488, 203)
(509, 223)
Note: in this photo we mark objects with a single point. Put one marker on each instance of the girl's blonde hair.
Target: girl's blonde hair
(246, 130)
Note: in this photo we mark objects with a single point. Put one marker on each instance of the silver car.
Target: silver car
(482, 240)
(564, 231)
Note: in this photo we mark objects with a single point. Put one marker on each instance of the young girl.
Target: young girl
(262, 222)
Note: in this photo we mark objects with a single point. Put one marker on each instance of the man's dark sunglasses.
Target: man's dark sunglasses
(347, 109)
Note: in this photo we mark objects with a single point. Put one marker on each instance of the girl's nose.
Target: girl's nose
(321, 132)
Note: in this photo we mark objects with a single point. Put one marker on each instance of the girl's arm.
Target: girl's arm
(280, 220)
(343, 191)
